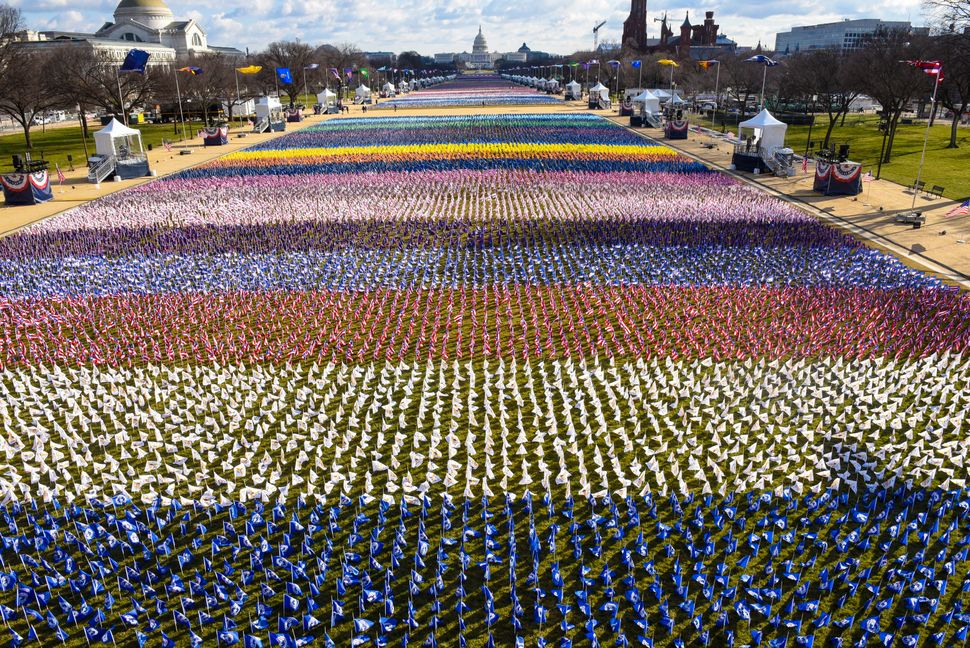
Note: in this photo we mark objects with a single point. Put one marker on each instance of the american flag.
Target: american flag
(60, 174)
(868, 177)
(962, 209)
(167, 145)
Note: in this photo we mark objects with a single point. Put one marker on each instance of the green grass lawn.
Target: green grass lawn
(56, 144)
(944, 167)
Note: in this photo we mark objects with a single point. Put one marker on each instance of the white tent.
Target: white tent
(362, 93)
(574, 88)
(602, 90)
(769, 133)
(116, 140)
(389, 88)
(552, 84)
(649, 100)
(327, 98)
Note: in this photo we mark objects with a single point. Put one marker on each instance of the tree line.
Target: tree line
(822, 82)
(75, 76)
(819, 82)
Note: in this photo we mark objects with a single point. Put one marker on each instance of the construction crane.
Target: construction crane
(596, 35)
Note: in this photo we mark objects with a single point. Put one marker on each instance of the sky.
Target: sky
(430, 26)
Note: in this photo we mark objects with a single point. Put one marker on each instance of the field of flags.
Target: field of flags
(470, 90)
(505, 380)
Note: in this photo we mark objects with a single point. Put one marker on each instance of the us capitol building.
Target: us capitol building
(144, 24)
(480, 58)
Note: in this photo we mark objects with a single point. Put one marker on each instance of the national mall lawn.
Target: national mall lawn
(945, 167)
(58, 141)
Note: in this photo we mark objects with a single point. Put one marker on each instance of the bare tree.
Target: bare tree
(828, 80)
(90, 78)
(25, 92)
(955, 14)
(293, 55)
(214, 83)
(11, 20)
(953, 50)
(889, 79)
(742, 81)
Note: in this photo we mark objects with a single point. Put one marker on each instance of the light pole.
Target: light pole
(178, 91)
(936, 84)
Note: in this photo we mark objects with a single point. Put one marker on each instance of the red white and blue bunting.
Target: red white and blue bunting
(838, 179)
(26, 188)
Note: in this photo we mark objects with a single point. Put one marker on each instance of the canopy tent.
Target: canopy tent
(649, 101)
(574, 89)
(362, 93)
(769, 133)
(389, 88)
(552, 84)
(327, 98)
(116, 140)
(601, 90)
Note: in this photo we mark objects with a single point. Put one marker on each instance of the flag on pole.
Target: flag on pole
(336, 73)
(250, 69)
(614, 63)
(312, 66)
(963, 209)
(636, 64)
(135, 61)
(704, 65)
(761, 58)
(868, 177)
(933, 68)
(283, 74)
(349, 72)
(60, 174)
(364, 73)
(668, 62)
(194, 71)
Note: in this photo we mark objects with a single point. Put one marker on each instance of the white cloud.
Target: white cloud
(430, 26)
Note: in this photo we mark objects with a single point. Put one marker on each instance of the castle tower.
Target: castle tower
(683, 45)
(635, 26)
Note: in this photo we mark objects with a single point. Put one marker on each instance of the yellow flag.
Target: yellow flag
(252, 69)
(668, 62)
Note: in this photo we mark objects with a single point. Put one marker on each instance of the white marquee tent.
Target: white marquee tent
(116, 140)
(769, 133)
(649, 101)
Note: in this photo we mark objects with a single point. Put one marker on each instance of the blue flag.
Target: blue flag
(283, 74)
(135, 61)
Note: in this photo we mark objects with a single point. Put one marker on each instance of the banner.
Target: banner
(135, 61)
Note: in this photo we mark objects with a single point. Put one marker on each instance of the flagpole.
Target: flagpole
(926, 136)
(305, 93)
(764, 78)
(235, 73)
(124, 115)
(640, 77)
(178, 91)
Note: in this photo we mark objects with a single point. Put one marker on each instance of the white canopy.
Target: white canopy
(363, 91)
(769, 133)
(601, 90)
(649, 100)
(326, 97)
(388, 87)
(116, 139)
(574, 87)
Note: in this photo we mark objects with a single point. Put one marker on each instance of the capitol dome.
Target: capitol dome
(154, 14)
(481, 45)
